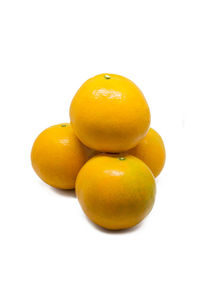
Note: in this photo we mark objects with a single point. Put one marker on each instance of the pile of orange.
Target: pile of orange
(108, 153)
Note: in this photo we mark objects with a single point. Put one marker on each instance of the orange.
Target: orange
(57, 156)
(151, 150)
(115, 192)
(109, 113)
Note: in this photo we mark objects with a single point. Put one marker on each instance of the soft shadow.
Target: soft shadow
(121, 231)
(64, 193)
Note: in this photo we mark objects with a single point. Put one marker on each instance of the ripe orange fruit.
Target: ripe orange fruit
(151, 150)
(57, 156)
(115, 192)
(109, 113)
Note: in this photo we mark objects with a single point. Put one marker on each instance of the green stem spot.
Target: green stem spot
(63, 125)
(122, 158)
(107, 76)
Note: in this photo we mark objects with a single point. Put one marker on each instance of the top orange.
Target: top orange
(109, 113)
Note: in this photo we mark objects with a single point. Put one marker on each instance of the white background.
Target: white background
(48, 249)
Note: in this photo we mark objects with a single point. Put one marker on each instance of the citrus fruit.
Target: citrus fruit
(109, 113)
(115, 192)
(57, 156)
(151, 150)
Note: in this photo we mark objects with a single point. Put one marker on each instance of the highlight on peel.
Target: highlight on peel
(151, 150)
(57, 156)
(115, 191)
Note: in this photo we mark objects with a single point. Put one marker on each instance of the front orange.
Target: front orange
(109, 113)
(57, 156)
(115, 192)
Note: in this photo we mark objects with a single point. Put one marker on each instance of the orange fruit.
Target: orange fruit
(109, 113)
(57, 156)
(115, 192)
(151, 150)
